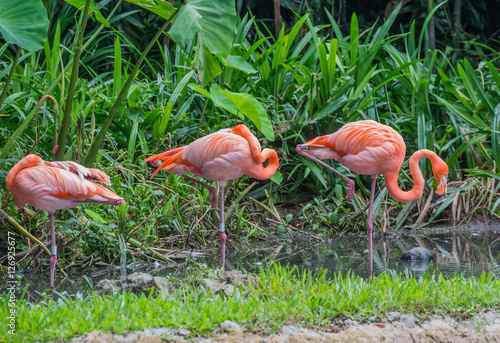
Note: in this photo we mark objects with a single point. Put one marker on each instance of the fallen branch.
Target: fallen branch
(4, 216)
(294, 228)
(144, 247)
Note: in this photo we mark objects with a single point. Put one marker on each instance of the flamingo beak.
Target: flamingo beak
(440, 193)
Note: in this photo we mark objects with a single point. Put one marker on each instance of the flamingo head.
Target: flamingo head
(441, 172)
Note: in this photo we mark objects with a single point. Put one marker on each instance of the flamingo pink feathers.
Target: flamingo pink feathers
(221, 156)
(370, 148)
(51, 186)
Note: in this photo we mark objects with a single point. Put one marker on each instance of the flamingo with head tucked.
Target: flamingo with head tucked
(51, 186)
(221, 156)
(370, 148)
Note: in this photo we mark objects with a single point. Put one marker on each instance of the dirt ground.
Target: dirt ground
(394, 327)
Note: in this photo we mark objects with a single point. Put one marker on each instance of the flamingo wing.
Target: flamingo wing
(50, 189)
(219, 156)
(213, 146)
(365, 147)
(81, 171)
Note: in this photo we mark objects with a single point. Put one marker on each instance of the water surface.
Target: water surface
(467, 251)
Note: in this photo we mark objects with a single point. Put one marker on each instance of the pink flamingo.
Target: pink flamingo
(370, 148)
(51, 186)
(221, 156)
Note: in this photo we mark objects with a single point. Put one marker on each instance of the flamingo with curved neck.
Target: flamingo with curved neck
(221, 156)
(370, 148)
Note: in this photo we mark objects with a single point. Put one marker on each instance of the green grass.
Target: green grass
(282, 295)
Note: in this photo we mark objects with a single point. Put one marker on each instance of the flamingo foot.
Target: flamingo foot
(53, 259)
(350, 190)
(223, 238)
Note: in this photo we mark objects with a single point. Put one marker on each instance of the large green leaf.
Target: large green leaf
(206, 65)
(162, 8)
(24, 23)
(238, 62)
(93, 11)
(222, 101)
(239, 104)
(253, 110)
(214, 20)
(186, 24)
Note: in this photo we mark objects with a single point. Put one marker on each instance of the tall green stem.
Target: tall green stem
(457, 23)
(63, 131)
(96, 144)
(432, 26)
(11, 75)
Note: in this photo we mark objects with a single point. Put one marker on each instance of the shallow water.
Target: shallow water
(466, 251)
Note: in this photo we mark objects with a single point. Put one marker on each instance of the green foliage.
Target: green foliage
(306, 82)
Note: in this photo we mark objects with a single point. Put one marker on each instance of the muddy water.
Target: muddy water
(466, 251)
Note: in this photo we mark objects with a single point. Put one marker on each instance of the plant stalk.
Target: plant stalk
(63, 130)
(432, 26)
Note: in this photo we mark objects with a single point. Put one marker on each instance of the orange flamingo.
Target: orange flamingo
(51, 186)
(370, 148)
(221, 156)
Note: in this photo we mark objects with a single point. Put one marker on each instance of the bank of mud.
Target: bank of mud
(392, 327)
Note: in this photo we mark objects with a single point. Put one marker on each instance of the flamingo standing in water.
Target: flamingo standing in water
(51, 186)
(370, 148)
(221, 156)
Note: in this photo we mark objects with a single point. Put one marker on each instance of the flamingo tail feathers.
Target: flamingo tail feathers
(101, 195)
(169, 159)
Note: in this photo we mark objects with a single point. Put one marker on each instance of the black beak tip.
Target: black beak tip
(436, 197)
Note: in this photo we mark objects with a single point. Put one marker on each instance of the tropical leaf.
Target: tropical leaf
(214, 20)
(253, 110)
(238, 62)
(24, 23)
(162, 8)
(206, 65)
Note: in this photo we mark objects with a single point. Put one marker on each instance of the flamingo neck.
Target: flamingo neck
(9, 180)
(24, 163)
(253, 143)
(391, 178)
(263, 173)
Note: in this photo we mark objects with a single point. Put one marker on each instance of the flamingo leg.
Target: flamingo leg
(369, 226)
(350, 183)
(53, 249)
(222, 227)
(211, 190)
